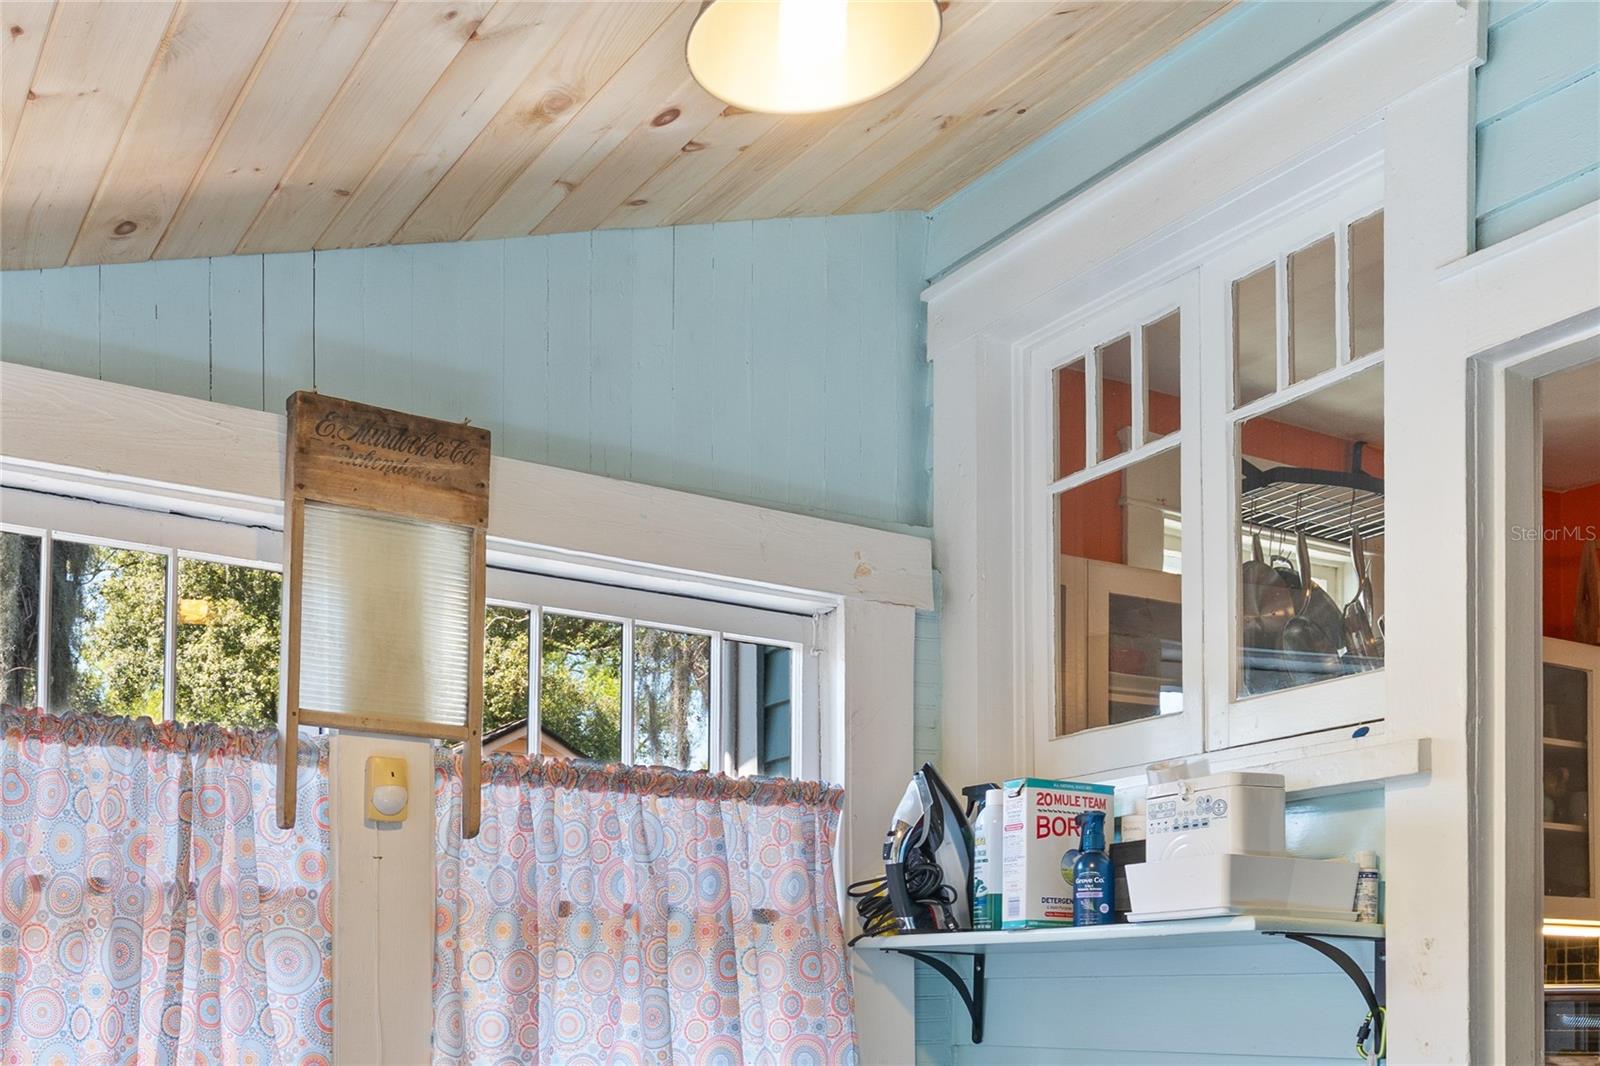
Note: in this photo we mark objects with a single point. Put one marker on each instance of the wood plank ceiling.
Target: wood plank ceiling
(138, 129)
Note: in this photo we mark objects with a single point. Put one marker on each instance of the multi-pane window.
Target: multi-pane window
(19, 618)
(1307, 338)
(187, 630)
(1117, 511)
(115, 634)
(637, 688)
(761, 698)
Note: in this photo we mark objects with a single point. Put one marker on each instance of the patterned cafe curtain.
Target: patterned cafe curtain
(613, 914)
(151, 910)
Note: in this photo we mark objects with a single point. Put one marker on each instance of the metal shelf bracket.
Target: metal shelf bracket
(972, 993)
(972, 997)
(1376, 997)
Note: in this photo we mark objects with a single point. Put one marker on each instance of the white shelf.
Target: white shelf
(1191, 932)
(1566, 827)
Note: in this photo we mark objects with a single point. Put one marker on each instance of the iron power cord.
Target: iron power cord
(924, 884)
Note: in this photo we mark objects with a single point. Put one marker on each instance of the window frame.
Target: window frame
(177, 537)
(116, 525)
(1208, 434)
(723, 622)
(1099, 748)
(1356, 699)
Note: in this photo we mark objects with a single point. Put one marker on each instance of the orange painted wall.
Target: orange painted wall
(1090, 519)
(1569, 518)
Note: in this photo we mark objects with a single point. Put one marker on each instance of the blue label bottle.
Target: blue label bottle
(1092, 885)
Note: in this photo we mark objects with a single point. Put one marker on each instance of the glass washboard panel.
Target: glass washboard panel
(384, 615)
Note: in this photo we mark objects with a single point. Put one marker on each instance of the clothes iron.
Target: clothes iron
(927, 858)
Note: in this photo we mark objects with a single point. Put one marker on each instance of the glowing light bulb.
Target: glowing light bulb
(789, 57)
(812, 33)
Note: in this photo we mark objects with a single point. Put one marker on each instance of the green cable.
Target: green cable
(1382, 1037)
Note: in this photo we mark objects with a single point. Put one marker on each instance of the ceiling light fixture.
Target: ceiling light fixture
(795, 57)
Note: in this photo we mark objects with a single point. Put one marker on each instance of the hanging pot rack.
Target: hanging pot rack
(1325, 504)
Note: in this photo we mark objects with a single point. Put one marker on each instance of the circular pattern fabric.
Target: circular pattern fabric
(658, 917)
(293, 962)
(147, 894)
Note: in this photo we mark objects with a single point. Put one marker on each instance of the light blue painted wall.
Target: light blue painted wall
(1235, 51)
(778, 363)
(1538, 114)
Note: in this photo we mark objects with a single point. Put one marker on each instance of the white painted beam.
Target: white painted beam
(61, 425)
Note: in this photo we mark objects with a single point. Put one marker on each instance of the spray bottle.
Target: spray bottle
(1092, 884)
(987, 844)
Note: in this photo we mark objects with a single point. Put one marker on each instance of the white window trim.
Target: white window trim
(97, 440)
(723, 622)
(1164, 736)
(177, 537)
(1233, 721)
(1344, 193)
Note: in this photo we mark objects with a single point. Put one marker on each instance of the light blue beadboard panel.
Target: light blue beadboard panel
(806, 368)
(338, 338)
(914, 394)
(1234, 52)
(847, 373)
(696, 366)
(774, 348)
(612, 268)
(732, 405)
(183, 327)
(154, 325)
(779, 363)
(456, 332)
(48, 318)
(67, 300)
(652, 399)
(288, 356)
(569, 360)
(1269, 1001)
(1545, 47)
(238, 372)
(525, 404)
(395, 330)
(1539, 145)
(1538, 113)
(21, 340)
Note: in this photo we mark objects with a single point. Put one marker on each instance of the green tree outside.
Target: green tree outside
(108, 617)
(580, 684)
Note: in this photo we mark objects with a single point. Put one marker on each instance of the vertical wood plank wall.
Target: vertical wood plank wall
(779, 363)
(1538, 114)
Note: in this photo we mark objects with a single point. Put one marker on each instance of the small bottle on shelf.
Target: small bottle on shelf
(1092, 886)
(1366, 904)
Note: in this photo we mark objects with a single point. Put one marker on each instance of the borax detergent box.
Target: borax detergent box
(1041, 845)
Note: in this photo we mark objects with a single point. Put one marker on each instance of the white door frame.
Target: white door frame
(1506, 714)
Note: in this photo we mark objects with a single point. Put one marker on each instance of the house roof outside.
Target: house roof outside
(512, 737)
